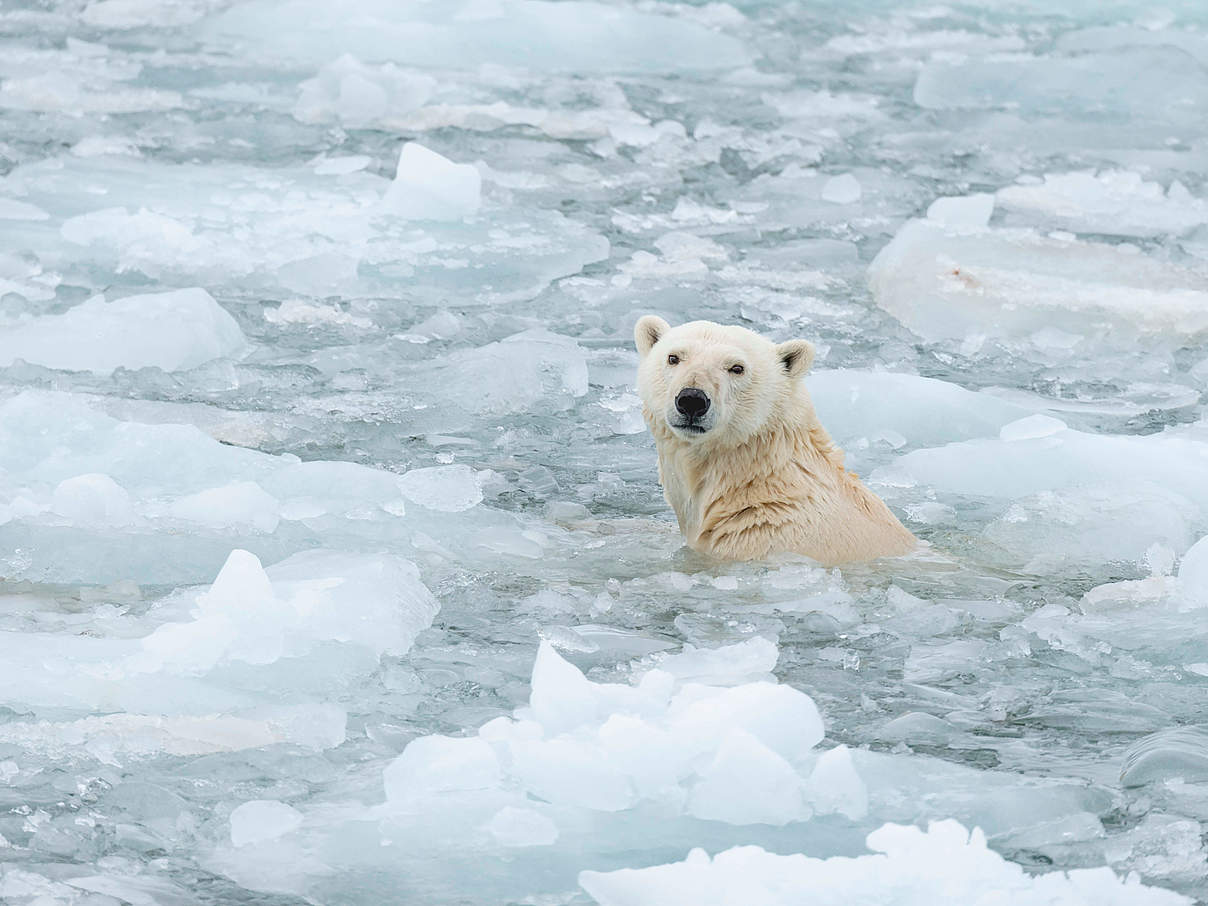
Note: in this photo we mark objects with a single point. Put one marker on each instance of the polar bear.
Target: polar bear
(743, 460)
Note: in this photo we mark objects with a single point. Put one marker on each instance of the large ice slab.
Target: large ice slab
(76, 79)
(909, 866)
(385, 96)
(659, 762)
(174, 331)
(901, 409)
(165, 503)
(588, 751)
(357, 94)
(1111, 202)
(253, 637)
(300, 229)
(244, 663)
(76, 477)
(577, 36)
(1063, 497)
(966, 283)
(1056, 458)
(1154, 84)
(254, 616)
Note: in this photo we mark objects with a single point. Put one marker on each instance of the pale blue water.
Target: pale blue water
(674, 158)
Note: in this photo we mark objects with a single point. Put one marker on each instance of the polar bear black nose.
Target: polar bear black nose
(692, 402)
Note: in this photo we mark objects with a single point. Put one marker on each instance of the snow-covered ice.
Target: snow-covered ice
(174, 331)
(333, 562)
(1044, 289)
(943, 863)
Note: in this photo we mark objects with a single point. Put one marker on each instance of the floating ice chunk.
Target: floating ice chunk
(963, 210)
(562, 697)
(94, 499)
(188, 499)
(1193, 573)
(372, 602)
(834, 786)
(526, 368)
(924, 411)
(1137, 84)
(75, 91)
(448, 489)
(233, 226)
(650, 756)
(428, 186)
(309, 489)
(574, 772)
(243, 503)
(1086, 526)
(748, 783)
(727, 665)
(1114, 202)
(1066, 459)
(1163, 847)
(355, 94)
(1031, 427)
(26, 278)
(797, 196)
(174, 331)
(580, 37)
(513, 826)
(842, 189)
(315, 619)
(952, 283)
(295, 311)
(945, 863)
(782, 718)
(605, 747)
(263, 819)
(437, 764)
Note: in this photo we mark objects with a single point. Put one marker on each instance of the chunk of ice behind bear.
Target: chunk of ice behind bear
(959, 283)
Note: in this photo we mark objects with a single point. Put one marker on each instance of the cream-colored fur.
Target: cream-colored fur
(764, 477)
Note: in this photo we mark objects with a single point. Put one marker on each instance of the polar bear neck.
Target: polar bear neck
(695, 475)
(784, 489)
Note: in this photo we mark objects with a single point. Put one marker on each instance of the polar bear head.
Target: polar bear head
(708, 383)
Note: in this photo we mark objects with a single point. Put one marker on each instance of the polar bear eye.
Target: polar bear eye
(737, 369)
(673, 359)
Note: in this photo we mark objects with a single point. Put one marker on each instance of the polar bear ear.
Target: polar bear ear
(647, 332)
(796, 356)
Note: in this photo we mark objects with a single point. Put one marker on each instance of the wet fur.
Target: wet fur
(750, 489)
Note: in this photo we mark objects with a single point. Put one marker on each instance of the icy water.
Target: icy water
(335, 565)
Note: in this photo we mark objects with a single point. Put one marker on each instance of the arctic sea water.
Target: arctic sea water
(333, 563)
